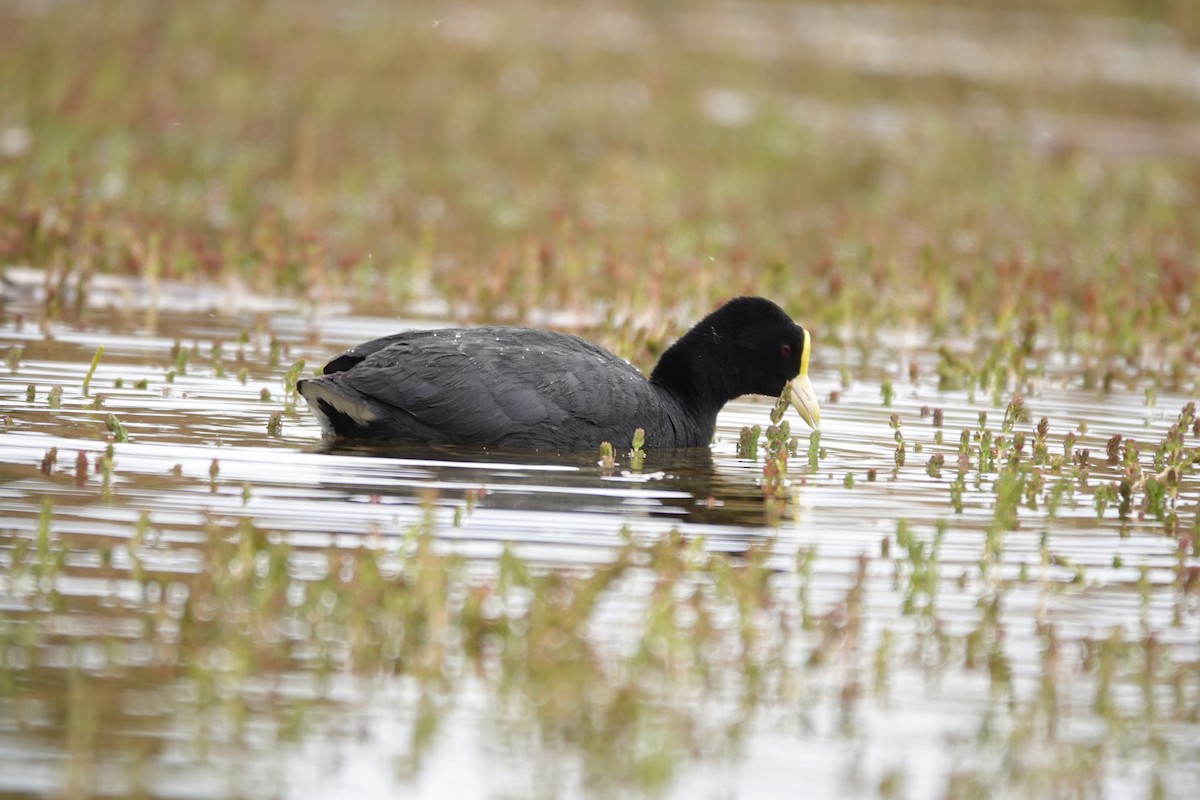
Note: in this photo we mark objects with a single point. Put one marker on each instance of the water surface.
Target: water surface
(861, 677)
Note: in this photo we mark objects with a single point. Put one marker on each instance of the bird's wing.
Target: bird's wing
(497, 385)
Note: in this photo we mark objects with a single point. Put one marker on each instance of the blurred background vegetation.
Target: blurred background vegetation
(953, 167)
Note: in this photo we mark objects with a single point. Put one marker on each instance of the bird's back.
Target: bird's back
(496, 386)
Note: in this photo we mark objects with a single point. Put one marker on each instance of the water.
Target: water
(870, 684)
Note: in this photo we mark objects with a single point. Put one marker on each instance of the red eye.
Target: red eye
(785, 350)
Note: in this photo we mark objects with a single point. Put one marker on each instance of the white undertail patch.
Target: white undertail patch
(317, 393)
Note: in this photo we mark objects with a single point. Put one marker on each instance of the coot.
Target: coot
(527, 388)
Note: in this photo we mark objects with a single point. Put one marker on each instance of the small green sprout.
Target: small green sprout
(637, 455)
(607, 459)
(116, 428)
(293, 375)
(87, 379)
(748, 442)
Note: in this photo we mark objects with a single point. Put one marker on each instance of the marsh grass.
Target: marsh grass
(389, 155)
(265, 628)
(222, 642)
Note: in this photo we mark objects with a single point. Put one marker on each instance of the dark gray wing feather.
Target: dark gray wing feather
(502, 386)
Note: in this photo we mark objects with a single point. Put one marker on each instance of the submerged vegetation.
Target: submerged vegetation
(993, 538)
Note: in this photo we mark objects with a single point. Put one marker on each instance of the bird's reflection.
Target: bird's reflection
(685, 485)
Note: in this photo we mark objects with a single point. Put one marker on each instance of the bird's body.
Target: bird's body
(528, 388)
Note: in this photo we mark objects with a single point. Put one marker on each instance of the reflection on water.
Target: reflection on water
(682, 486)
(220, 605)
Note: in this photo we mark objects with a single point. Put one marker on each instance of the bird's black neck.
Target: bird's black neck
(691, 371)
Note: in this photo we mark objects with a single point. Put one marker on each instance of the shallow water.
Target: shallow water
(859, 681)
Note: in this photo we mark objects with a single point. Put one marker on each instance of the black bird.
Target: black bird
(527, 388)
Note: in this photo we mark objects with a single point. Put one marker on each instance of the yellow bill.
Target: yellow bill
(800, 391)
(802, 398)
